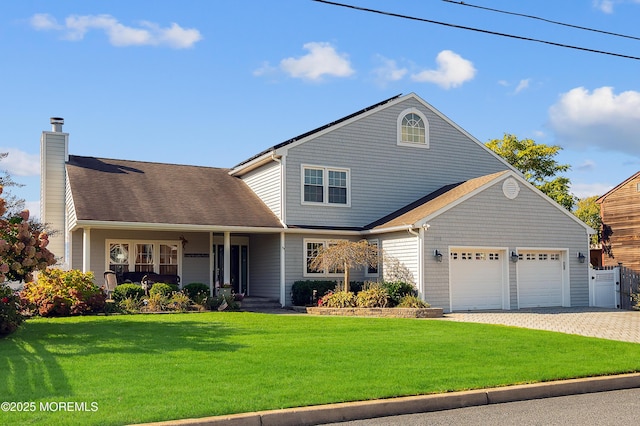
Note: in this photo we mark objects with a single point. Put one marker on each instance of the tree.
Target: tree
(588, 211)
(343, 255)
(13, 204)
(537, 163)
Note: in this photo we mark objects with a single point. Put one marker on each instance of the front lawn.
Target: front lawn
(142, 368)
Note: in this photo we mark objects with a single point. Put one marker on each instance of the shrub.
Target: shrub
(10, 316)
(397, 290)
(196, 291)
(61, 293)
(411, 301)
(162, 289)
(128, 291)
(375, 296)
(338, 299)
(22, 246)
(130, 305)
(156, 302)
(302, 291)
(179, 302)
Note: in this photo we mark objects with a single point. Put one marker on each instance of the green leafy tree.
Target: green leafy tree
(538, 164)
(588, 211)
(342, 255)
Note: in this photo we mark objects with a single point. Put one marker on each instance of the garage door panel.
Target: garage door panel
(476, 279)
(539, 279)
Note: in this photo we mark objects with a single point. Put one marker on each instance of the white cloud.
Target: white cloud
(606, 6)
(583, 190)
(20, 163)
(453, 70)
(587, 165)
(321, 60)
(600, 119)
(522, 85)
(265, 68)
(34, 209)
(148, 34)
(388, 70)
(44, 21)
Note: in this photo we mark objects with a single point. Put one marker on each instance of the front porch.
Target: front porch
(247, 262)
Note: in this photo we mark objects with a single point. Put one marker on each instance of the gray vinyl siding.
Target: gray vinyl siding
(265, 182)
(264, 266)
(296, 264)
(490, 220)
(384, 176)
(403, 248)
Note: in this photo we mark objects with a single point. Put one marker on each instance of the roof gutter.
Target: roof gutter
(253, 164)
(105, 224)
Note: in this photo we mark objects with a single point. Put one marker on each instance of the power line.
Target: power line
(462, 3)
(413, 18)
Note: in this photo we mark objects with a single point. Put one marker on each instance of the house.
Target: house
(458, 221)
(620, 213)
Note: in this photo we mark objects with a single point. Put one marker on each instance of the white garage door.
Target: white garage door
(539, 279)
(476, 279)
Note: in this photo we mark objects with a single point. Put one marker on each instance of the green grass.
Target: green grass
(146, 368)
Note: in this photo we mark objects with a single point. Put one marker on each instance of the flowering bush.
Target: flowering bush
(10, 317)
(61, 293)
(23, 248)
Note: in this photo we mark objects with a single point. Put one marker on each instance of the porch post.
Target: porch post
(283, 287)
(86, 250)
(227, 258)
(212, 264)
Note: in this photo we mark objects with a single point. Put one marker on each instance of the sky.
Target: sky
(213, 83)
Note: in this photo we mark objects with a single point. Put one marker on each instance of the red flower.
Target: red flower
(5, 300)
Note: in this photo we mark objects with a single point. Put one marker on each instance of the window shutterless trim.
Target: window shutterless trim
(325, 185)
(401, 117)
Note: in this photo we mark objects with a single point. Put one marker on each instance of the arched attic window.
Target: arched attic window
(413, 129)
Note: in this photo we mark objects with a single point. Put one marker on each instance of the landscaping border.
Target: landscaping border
(378, 312)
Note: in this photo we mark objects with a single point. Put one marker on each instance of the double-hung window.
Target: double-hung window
(311, 251)
(325, 185)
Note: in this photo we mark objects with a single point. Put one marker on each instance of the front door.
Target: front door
(238, 261)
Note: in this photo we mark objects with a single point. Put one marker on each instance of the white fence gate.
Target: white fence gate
(604, 287)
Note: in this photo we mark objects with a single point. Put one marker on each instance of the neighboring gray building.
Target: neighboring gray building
(465, 226)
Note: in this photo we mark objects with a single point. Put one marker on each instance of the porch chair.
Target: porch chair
(110, 283)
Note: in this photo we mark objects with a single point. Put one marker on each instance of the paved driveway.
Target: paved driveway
(613, 324)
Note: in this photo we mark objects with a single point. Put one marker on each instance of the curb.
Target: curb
(360, 410)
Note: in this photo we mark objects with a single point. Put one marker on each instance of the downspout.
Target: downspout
(283, 221)
(420, 247)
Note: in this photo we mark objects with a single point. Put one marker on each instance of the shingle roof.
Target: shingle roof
(135, 191)
(433, 202)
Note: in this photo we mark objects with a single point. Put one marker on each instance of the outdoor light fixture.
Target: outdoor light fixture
(514, 257)
(437, 255)
(581, 257)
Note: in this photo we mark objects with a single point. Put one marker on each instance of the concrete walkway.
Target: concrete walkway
(612, 324)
